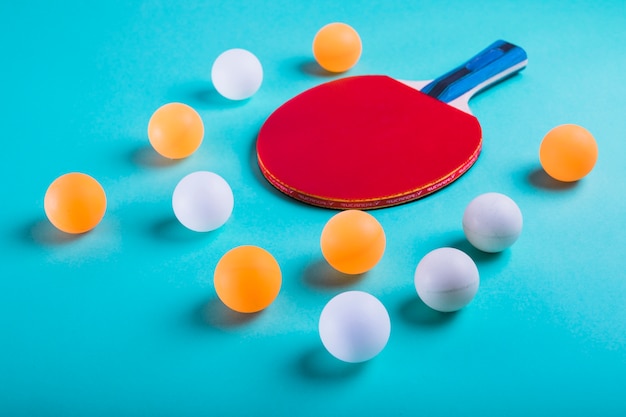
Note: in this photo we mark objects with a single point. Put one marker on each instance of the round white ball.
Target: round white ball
(202, 201)
(354, 326)
(237, 74)
(492, 222)
(446, 279)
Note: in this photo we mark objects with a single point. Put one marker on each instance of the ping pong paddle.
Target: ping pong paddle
(372, 141)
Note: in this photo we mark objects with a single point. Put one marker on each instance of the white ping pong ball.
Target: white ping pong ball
(492, 222)
(202, 201)
(354, 326)
(446, 279)
(237, 74)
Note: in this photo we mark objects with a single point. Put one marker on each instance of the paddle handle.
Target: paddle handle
(490, 66)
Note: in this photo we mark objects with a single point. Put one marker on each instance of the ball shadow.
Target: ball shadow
(477, 255)
(43, 232)
(216, 315)
(170, 229)
(540, 179)
(318, 364)
(311, 67)
(416, 313)
(146, 156)
(321, 275)
(202, 94)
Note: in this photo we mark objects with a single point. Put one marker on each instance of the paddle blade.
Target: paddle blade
(365, 142)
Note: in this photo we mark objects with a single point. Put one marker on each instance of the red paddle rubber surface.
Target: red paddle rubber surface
(365, 142)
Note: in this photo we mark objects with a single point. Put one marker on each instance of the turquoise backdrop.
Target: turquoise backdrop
(124, 320)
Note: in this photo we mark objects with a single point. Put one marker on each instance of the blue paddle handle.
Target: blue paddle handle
(500, 58)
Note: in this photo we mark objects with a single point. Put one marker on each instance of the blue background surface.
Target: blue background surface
(125, 321)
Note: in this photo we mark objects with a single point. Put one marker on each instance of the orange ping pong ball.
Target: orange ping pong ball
(568, 153)
(337, 47)
(175, 130)
(353, 242)
(75, 203)
(247, 279)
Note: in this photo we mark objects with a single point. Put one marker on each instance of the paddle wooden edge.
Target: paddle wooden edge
(374, 203)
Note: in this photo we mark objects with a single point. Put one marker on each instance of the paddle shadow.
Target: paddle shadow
(260, 178)
(254, 165)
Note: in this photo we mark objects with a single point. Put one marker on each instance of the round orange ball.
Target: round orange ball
(175, 130)
(353, 242)
(337, 47)
(247, 279)
(568, 153)
(75, 203)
